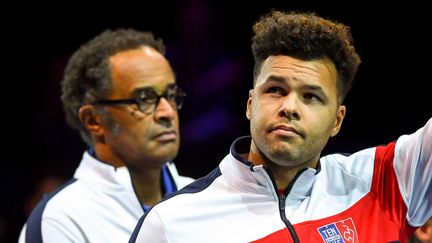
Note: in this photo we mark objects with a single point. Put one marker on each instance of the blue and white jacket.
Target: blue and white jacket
(98, 205)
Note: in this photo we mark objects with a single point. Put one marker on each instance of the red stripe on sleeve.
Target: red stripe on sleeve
(385, 188)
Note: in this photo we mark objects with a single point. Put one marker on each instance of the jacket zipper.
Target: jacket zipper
(282, 214)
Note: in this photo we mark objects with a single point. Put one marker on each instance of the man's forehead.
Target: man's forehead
(288, 67)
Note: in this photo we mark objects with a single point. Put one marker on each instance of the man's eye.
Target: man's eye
(311, 97)
(274, 90)
(171, 94)
(147, 95)
(147, 100)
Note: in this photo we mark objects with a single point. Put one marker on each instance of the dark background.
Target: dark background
(208, 44)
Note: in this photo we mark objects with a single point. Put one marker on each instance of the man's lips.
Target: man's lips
(166, 136)
(286, 130)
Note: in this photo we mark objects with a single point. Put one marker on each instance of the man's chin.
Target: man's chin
(168, 155)
(282, 148)
(281, 156)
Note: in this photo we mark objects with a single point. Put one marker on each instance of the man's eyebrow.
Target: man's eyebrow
(139, 90)
(308, 87)
(282, 79)
(276, 78)
(313, 87)
(142, 89)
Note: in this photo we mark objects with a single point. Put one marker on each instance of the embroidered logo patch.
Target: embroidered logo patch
(343, 231)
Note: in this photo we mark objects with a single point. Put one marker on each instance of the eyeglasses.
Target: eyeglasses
(147, 99)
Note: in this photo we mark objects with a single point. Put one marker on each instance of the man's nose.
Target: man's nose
(164, 109)
(290, 107)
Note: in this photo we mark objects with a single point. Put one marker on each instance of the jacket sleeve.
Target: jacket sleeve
(50, 231)
(413, 169)
(150, 229)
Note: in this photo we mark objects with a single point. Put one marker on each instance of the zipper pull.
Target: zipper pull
(282, 202)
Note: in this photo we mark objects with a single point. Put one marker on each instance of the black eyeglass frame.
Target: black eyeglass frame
(139, 100)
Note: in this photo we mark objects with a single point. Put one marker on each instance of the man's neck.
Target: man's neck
(147, 185)
(105, 155)
(283, 175)
(146, 181)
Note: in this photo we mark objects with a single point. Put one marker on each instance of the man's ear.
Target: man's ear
(91, 120)
(340, 115)
(249, 105)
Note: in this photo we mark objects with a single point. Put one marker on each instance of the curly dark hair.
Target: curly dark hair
(306, 36)
(88, 75)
